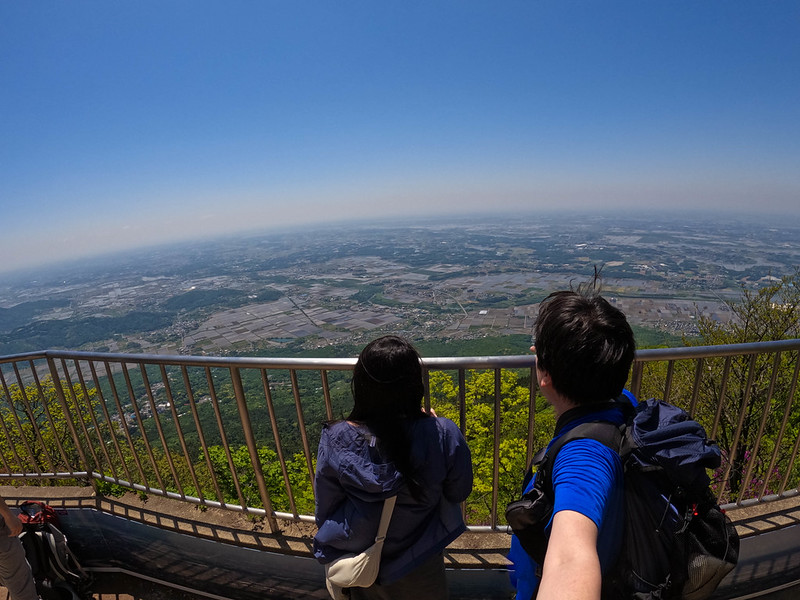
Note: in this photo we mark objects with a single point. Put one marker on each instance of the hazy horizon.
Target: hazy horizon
(657, 217)
(129, 126)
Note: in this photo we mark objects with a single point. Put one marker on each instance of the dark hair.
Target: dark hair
(387, 391)
(585, 345)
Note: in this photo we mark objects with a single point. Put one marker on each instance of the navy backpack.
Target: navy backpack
(678, 544)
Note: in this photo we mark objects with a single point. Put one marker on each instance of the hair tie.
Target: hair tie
(381, 381)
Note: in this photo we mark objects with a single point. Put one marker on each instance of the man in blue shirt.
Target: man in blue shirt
(584, 350)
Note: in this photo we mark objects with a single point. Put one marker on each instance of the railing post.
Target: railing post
(48, 414)
(7, 433)
(212, 390)
(125, 428)
(738, 432)
(496, 445)
(789, 402)
(80, 417)
(301, 422)
(160, 430)
(273, 420)
(181, 438)
(636, 378)
(668, 382)
(461, 398)
(34, 426)
(250, 440)
(143, 432)
(726, 370)
(462, 401)
(767, 404)
(698, 377)
(533, 386)
(68, 417)
(201, 436)
(92, 416)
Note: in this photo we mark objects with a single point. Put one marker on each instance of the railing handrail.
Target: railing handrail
(522, 361)
(651, 354)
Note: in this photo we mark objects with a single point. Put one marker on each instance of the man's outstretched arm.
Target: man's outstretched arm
(571, 566)
(12, 521)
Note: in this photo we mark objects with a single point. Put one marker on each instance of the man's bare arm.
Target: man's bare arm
(12, 521)
(571, 566)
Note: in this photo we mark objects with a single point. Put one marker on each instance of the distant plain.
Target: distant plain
(455, 287)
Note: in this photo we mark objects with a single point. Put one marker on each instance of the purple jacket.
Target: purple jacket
(353, 479)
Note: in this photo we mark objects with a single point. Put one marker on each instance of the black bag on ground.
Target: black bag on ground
(678, 543)
(56, 571)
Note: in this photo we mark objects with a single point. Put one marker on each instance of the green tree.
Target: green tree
(748, 411)
(479, 399)
(297, 473)
(38, 435)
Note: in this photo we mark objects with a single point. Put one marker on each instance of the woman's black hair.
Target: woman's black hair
(387, 391)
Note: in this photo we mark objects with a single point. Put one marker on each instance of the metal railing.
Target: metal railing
(241, 433)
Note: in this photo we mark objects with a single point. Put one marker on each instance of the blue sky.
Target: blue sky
(131, 123)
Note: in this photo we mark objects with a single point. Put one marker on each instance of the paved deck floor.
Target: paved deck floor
(119, 586)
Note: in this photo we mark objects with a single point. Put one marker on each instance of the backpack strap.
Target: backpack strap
(609, 434)
(529, 516)
(602, 433)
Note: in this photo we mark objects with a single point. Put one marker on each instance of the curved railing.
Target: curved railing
(241, 433)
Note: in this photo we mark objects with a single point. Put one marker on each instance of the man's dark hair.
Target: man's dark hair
(585, 345)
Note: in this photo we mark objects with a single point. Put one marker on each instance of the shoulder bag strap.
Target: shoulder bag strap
(386, 517)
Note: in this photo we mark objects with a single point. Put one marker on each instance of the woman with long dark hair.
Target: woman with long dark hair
(389, 446)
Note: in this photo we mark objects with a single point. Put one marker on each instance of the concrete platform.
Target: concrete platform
(119, 586)
(179, 552)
